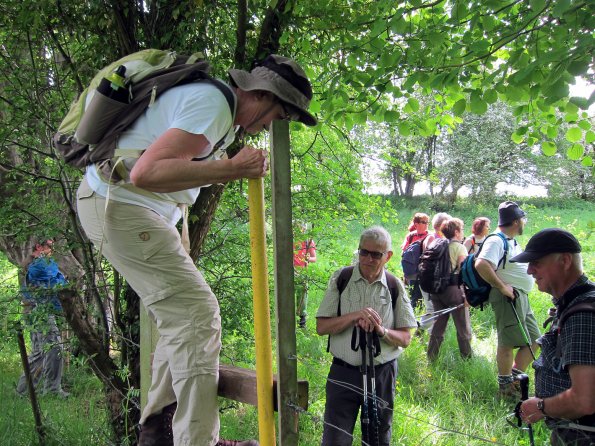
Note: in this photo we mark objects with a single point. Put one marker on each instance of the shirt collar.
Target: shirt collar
(568, 297)
(358, 276)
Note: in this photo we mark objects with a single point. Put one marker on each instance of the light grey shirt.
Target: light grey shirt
(360, 294)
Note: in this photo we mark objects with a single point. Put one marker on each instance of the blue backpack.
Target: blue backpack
(410, 257)
(477, 290)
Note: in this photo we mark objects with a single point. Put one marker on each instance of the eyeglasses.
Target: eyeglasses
(374, 254)
(424, 222)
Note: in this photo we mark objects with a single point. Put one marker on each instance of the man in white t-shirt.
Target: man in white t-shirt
(137, 233)
(506, 278)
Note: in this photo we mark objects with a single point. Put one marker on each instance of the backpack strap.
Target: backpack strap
(393, 287)
(505, 241)
(587, 305)
(342, 281)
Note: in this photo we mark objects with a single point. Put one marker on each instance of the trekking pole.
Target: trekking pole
(361, 345)
(436, 314)
(371, 340)
(518, 319)
(524, 383)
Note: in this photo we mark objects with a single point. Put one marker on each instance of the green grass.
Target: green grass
(78, 420)
(449, 402)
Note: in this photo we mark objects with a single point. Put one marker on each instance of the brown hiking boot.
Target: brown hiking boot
(157, 430)
(237, 443)
(510, 391)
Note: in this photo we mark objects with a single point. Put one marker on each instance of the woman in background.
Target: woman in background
(479, 230)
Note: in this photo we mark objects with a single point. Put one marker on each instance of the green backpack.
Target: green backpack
(148, 74)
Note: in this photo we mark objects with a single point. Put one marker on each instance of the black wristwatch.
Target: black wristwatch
(541, 406)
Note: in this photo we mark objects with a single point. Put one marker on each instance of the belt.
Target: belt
(342, 363)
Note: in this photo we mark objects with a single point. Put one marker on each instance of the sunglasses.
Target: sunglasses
(374, 254)
(424, 222)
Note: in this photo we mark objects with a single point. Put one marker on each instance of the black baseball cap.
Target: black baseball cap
(508, 212)
(548, 241)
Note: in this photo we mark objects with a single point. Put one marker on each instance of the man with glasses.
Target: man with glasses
(510, 283)
(365, 301)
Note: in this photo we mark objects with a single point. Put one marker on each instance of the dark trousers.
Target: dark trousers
(414, 291)
(343, 403)
(451, 297)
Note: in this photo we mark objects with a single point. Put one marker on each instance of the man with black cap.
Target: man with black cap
(510, 282)
(182, 135)
(565, 370)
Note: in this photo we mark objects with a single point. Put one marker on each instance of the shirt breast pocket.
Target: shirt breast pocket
(384, 302)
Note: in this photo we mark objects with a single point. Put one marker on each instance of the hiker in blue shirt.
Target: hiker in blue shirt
(40, 297)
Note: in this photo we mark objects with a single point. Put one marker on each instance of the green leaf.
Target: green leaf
(412, 106)
(561, 6)
(522, 130)
(517, 138)
(571, 117)
(575, 152)
(360, 118)
(584, 124)
(587, 161)
(459, 108)
(490, 96)
(386, 59)
(537, 5)
(590, 137)
(477, 105)
(410, 82)
(391, 116)
(557, 91)
(578, 67)
(552, 132)
(548, 148)
(514, 94)
(574, 134)
(404, 128)
(571, 107)
(582, 103)
(314, 106)
(398, 24)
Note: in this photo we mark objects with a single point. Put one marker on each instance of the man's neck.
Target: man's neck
(569, 281)
(373, 279)
(508, 231)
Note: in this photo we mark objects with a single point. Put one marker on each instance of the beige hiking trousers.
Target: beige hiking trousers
(149, 254)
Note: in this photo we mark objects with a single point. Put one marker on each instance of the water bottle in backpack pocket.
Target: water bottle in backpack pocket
(107, 102)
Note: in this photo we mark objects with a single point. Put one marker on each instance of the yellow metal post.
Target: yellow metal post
(262, 316)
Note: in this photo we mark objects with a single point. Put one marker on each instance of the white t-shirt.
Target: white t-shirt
(198, 108)
(514, 274)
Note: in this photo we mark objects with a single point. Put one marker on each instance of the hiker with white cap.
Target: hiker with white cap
(139, 238)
